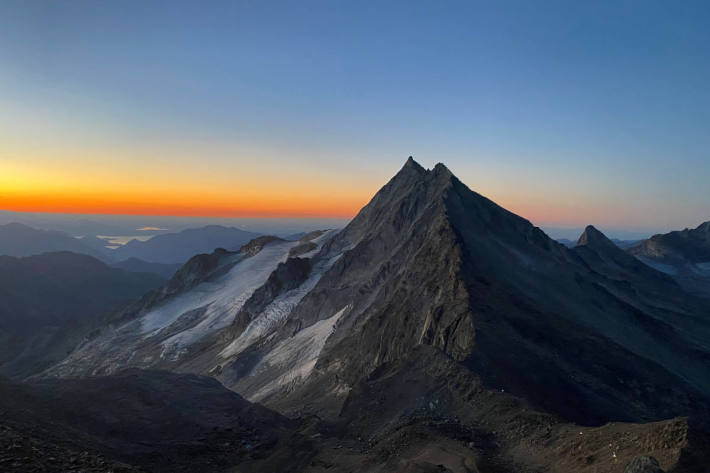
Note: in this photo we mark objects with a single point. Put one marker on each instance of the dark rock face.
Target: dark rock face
(428, 261)
(254, 246)
(401, 279)
(288, 275)
(643, 464)
(594, 239)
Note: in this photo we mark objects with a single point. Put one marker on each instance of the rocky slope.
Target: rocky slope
(140, 421)
(685, 255)
(428, 261)
(422, 413)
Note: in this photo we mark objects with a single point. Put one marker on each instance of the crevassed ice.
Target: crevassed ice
(223, 297)
(296, 356)
(278, 310)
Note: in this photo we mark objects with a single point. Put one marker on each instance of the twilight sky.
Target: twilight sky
(565, 112)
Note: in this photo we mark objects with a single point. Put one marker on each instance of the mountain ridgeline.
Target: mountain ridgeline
(429, 262)
(436, 332)
(684, 254)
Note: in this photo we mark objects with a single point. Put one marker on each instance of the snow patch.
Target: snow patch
(222, 298)
(276, 311)
(296, 356)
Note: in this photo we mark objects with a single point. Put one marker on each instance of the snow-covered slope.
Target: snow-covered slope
(169, 331)
(276, 311)
(219, 300)
(194, 329)
(293, 359)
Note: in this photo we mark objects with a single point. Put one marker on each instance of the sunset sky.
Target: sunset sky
(567, 113)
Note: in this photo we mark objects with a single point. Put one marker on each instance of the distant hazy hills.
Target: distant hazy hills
(17, 239)
(623, 244)
(48, 302)
(179, 247)
(161, 254)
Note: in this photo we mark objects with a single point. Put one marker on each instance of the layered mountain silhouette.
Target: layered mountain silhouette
(164, 252)
(172, 248)
(19, 240)
(49, 302)
(438, 328)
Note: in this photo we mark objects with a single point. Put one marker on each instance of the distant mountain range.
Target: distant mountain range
(160, 254)
(623, 244)
(171, 248)
(19, 240)
(437, 330)
(684, 254)
(48, 302)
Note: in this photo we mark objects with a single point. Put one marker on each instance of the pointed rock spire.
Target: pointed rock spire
(594, 238)
(412, 164)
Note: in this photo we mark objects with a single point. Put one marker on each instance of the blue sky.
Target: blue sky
(566, 112)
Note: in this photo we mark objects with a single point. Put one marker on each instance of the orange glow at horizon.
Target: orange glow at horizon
(194, 203)
(54, 183)
(184, 205)
(186, 188)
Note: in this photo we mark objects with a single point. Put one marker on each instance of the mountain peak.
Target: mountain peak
(412, 164)
(593, 238)
(441, 170)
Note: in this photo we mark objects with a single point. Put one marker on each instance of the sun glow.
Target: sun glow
(78, 186)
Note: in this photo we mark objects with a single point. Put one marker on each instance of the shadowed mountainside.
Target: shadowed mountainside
(49, 302)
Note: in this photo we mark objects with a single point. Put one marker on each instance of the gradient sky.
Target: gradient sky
(565, 112)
